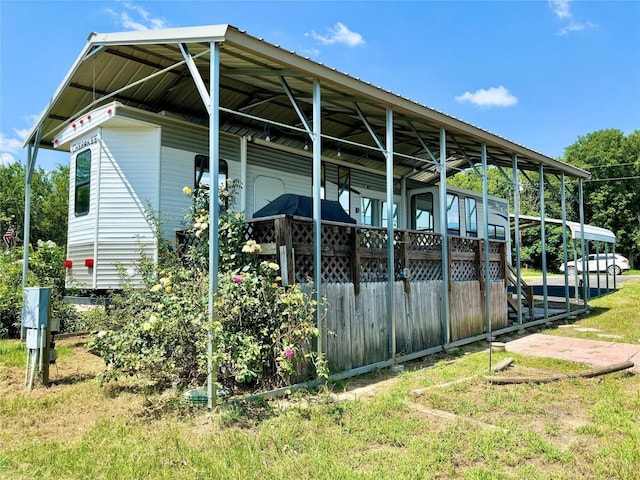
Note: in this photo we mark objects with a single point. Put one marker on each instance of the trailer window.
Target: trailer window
(202, 174)
(453, 214)
(496, 232)
(471, 214)
(422, 208)
(368, 211)
(383, 215)
(83, 183)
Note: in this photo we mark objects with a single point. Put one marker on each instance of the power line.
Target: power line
(612, 179)
(613, 165)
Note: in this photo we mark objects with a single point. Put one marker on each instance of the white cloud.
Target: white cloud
(10, 144)
(130, 24)
(135, 17)
(576, 27)
(560, 8)
(491, 97)
(562, 11)
(22, 134)
(311, 52)
(6, 159)
(340, 33)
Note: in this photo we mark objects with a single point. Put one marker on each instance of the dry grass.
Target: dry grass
(369, 427)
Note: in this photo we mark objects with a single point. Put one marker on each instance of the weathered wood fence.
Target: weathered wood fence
(354, 282)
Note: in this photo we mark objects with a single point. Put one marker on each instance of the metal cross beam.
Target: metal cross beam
(197, 79)
(300, 113)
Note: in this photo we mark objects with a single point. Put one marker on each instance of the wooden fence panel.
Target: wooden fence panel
(404, 322)
(466, 312)
(372, 301)
(339, 318)
(499, 311)
(426, 313)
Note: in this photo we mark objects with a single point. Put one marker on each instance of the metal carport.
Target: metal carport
(222, 77)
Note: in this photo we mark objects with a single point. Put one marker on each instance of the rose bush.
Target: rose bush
(263, 331)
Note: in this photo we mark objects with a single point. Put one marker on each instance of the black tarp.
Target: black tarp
(291, 204)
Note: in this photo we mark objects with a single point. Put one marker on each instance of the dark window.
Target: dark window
(496, 232)
(203, 177)
(453, 214)
(202, 174)
(83, 183)
(472, 217)
(422, 208)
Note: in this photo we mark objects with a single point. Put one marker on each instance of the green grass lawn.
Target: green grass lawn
(439, 419)
(614, 317)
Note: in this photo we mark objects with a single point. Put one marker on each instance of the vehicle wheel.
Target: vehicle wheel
(614, 270)
(571, 270)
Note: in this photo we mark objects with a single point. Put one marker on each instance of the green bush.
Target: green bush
(262, 331)
(10, 292)
(46, 269)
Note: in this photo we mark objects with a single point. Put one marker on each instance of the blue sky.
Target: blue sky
(540, 73)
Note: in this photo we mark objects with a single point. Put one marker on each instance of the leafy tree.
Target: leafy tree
(49, 202)
(499, 186)
(612, 196)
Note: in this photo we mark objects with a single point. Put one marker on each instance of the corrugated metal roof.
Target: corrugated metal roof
(591, 232)
(146, 70)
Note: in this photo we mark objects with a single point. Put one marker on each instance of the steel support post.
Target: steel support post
(583, 247)
(575, 269)
(214, 212)
(487, 273)
(613, 249)
(32, 155)
(516, 233)
(443, 231)
(606, 256)
(565, 258)
(317, 212)
(243, 172)
(543, 235)
(391, 314)
(598, 266)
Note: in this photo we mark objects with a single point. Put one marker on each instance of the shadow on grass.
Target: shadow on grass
(72, 379)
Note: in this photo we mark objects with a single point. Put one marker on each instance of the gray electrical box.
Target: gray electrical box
(36, 313)
(35, 307)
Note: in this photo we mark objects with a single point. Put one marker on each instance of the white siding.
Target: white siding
(79, 276)
(122, 256)
(292, 184)
(129, 179)
(81, 229)
(176, 172)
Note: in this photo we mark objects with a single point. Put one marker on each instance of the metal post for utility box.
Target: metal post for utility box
(36, 320)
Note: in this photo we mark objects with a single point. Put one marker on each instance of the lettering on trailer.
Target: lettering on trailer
(84, 143)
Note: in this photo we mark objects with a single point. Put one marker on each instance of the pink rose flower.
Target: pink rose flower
(289, 353)
(238, 279)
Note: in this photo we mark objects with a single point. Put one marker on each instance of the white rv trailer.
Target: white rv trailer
(125, 161)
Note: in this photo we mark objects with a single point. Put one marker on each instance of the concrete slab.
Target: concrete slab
(598, 353)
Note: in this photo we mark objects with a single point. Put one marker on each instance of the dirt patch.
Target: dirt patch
(68, 408)
(68, 370)
(553, 411)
